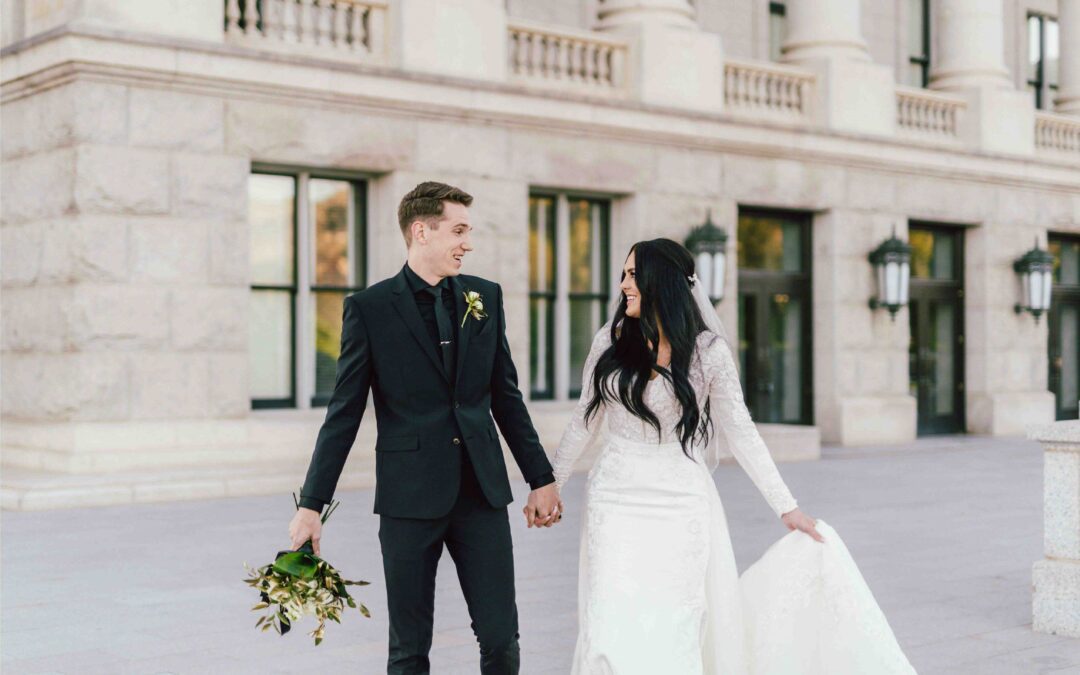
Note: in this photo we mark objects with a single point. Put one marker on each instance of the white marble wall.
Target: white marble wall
(1056, 578)
(125, 238)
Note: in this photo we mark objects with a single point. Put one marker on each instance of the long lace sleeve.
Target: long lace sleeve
(579, 436)
(731, 417)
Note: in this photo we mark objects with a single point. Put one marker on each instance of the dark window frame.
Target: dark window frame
(777, 9)
(359, 182)
(1060, 294)
(606, 203)
(768, 282)
(931, 289)
(1039, 83)
(923, 60)
(551, 297)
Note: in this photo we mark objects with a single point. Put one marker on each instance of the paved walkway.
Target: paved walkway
(945, 532)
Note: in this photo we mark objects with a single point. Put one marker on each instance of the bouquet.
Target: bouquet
(299, 583)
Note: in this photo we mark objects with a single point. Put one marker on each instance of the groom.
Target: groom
(439, 367)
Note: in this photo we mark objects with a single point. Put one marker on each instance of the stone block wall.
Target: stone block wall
(125, 245)
(125, 248)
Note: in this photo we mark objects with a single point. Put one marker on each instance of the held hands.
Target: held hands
(545, 508)
(797, 520)
(306, 524)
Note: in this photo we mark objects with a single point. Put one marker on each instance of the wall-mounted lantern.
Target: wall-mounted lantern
(892, 270)
(1036, 269)
(708, 244)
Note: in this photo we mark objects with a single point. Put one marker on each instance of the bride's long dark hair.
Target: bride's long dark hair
(662, 271)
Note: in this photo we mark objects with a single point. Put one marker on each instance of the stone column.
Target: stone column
(1068, 99)
(194, 19)
(853, 93)
(459, 38)
(1056, 578)
(824, 29)
(968, 50)
(615, 13)
(968, 58)
(672, 62)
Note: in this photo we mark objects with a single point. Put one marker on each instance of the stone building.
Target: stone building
(190, 189)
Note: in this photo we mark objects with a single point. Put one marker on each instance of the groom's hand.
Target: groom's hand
(306, 524)
(544, 508)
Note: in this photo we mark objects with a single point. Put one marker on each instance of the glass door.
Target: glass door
(1064, 322)
(936, 311)
(774, 315)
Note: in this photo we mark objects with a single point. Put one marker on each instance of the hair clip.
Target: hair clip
(692, 279)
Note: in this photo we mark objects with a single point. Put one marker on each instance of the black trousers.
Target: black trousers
(478, 538)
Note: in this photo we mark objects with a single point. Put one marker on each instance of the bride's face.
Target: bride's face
(630, 289)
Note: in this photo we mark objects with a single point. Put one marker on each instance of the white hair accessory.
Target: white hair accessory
(692, 279)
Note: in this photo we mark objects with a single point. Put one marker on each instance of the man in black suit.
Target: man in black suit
(430, 343)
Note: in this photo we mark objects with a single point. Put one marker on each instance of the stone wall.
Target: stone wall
(125, 244)
(125, 276)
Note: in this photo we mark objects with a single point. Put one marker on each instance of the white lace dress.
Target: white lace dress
(658, 590)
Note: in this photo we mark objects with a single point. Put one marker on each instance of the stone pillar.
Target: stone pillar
(673, 62)
(126, 291)
(1068, 99)
(824, 29)
(853, 93)
(860, 355)
(1005, 372)
(460, 38)
(615, 13)
(1056, 578)
(969, 45)
(192, 19)
(968, 58)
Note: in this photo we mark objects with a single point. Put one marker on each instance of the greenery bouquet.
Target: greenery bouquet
(299, 583)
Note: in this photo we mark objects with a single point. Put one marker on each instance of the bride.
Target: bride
(658, 588)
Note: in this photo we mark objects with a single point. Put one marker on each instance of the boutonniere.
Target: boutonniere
(474, 306)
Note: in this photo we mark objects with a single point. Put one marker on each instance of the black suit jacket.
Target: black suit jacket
(386, 350)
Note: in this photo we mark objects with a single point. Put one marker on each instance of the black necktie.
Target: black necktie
(446, 331)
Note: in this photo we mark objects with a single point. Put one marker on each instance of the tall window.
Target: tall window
(918, 72)
(307, 254)
(569, 288)
(1064, 324)
(1042, 59)
(777, 26)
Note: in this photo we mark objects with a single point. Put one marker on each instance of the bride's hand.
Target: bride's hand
(797, 520)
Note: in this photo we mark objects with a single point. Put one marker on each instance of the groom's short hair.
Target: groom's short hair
(425, 202)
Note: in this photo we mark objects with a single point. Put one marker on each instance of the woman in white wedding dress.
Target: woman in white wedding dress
(659, 592)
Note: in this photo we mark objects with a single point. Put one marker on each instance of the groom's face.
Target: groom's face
(444, 247)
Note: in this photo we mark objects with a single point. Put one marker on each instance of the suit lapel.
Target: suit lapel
(405, 304)
(463, 331)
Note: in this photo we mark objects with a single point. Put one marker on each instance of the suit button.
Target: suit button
(456, 404)
(457, 441)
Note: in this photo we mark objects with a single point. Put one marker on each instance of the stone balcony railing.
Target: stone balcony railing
(757, 88)
(927, 114)
(562, 58)
(349, 29)
(602, 64)
(1057, 133)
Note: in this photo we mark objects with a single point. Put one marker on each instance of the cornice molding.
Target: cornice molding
(513, 106)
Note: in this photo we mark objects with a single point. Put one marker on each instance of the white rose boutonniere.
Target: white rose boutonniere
(474, 307)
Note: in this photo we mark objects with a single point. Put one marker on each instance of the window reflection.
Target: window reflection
(767, 242)
(271, 206)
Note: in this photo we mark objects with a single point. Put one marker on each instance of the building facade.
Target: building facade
(190, 189)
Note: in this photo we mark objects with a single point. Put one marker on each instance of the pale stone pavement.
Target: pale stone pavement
(944, 530)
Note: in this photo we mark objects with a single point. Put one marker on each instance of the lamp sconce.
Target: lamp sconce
(1035, 269)
(708, 244)
(892, 271)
